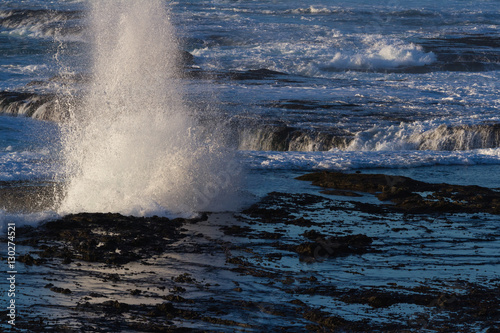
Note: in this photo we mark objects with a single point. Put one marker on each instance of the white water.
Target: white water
(134, 147)
(354, 160)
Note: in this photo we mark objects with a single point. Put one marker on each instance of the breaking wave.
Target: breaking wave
(381, 54)
(420, 137)
(416, 136)
(41, 22)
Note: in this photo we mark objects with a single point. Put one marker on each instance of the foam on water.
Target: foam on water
(39, 23)
(353, 160)
(381, 53)
(24, 165)
(134, 147)
(322, 55)
(25, 149)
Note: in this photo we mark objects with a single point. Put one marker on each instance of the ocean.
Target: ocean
(403, 87)
(149, 155)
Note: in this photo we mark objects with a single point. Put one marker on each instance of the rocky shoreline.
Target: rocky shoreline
(366, 253)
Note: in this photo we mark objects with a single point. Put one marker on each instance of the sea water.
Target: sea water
(133, 146)
(299, 86)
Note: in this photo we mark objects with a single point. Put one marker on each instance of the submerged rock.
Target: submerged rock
(322, 248)
(186, 58)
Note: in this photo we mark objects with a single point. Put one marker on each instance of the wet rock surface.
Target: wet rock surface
(292, 262)
(106, 238)
(29, 104)
(411, 195)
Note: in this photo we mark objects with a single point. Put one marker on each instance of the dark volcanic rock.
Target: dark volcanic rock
(255, 74)
(285, 138)
(108, 238)
(186, 58)
(370, 183)
(410, 195)
(322, 248)
(38, 106)
(246, 282)
(65, 291)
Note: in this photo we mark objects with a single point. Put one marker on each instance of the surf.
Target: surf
(133, 146)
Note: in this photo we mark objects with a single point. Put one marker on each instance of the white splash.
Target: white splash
(134, 147)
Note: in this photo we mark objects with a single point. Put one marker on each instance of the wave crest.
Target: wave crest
(41, 22)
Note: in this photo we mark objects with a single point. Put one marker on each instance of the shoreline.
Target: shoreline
(303, 261)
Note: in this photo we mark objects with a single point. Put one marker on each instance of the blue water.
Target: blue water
(411, 84)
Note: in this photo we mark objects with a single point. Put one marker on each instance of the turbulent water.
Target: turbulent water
(300, 84)
(133, 146)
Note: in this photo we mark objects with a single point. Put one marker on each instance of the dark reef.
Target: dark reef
(264, 269)
(410, 195)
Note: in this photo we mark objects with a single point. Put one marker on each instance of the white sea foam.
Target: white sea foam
(428, 135)
(381, 54)
(24, 69)
(37, 23)
(324, 54)
(312, 10)
(352, 160)
(23, 149)
(135, 148)
(24, 165)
